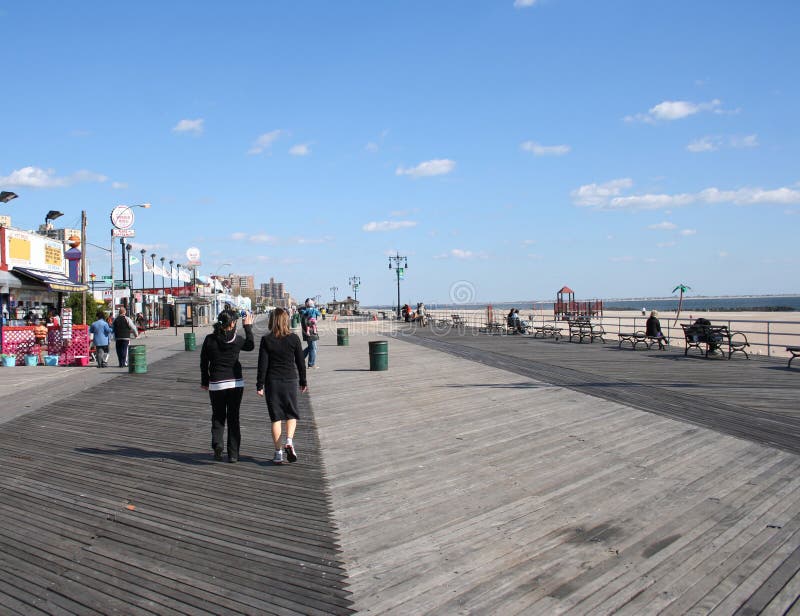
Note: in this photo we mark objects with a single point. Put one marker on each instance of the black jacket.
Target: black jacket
(280, 359)
(219, 360)
(122, 327)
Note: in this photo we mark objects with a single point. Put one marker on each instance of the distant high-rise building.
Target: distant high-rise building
(274, 294)
(242, 282)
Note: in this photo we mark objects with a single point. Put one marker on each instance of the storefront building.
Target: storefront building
(33, 284)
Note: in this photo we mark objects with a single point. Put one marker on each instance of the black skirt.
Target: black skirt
(281, 397)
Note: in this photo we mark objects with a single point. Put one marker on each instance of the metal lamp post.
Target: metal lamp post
(355, 282)
(397, 259)
(333, 290)
(170, 276)
(153, 272)
(143, 252)
(131, 299)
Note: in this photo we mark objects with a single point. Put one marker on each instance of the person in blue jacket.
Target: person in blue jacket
(309, 335)
(101, 331)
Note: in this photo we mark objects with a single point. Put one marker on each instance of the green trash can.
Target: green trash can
(137, 359)
(189, 341)
(295, 321)
(342, 337)
(379, 355)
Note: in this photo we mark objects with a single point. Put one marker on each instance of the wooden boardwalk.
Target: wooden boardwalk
(111, 504)
(463, 486)
(478, 475)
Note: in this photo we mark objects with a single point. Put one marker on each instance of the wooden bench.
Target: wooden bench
(547, 331)
(585, 330)
(642, 338)
(795, 351)
(714, 337)
(493, 328)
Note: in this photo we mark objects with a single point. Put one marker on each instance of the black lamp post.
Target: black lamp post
(355, 282)
(128, 249)
(143, 252)
(397, 259)
(333, 290)
(170, 276)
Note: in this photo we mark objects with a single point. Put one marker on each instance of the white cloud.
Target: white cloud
(119, 185)
(748, 141)
(625, 259)
(262, 238)
(523, 4)
(545, 150)
(668, 111)
(301, 149)
(666, 244)
(194, 127)
(437, 166)
(688, 232)
(608, 197)
(388, 225)
(705, 144)
(599, 194)
(371, 147)
(713, 143)
(460, 253)
(36, 177)
(264, 142)
(722, 254)
(665, 226)
(257, 238)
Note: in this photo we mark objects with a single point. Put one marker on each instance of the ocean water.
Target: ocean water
(696, 304)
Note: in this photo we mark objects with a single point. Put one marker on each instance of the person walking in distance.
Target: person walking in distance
(221, 376)
(124, 330)
(308, 320)
(281, 373)
(101, 331)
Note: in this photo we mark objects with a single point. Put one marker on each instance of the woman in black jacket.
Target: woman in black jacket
(282, 369)
(221, 376)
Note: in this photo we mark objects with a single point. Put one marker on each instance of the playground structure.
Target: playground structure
(567, 308)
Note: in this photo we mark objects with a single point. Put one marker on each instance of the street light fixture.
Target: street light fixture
(214, 288)
(7, 196)
(51, 215)
(170, 276)
(333, 290)
(397, 259)
(355, 282)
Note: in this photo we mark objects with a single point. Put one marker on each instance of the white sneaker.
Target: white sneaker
(278, 459)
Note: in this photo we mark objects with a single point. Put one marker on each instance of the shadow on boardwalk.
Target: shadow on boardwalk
(112, 503)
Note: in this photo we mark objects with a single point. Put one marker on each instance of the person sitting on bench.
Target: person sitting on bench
(653, 329)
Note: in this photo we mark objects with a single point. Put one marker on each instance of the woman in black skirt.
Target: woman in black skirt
(221, 375)
(281, 372)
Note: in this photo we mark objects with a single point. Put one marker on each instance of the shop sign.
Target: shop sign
(66, 324)
(34, 251)
(193, 254)
(122, 217)
(123, 233)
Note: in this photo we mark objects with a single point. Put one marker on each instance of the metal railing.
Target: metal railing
(768, 338)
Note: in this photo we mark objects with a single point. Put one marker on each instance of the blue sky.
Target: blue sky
(506, 148)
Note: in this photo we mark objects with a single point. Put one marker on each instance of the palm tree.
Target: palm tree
(682, 288)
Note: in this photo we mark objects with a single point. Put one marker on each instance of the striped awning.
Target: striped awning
(51, 280)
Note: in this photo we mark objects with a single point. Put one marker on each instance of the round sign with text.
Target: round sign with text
(193, 254)
(122, 217)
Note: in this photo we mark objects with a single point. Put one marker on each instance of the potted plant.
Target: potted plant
(9, 361)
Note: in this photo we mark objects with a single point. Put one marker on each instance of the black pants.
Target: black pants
(225, 406)
(122, 351)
